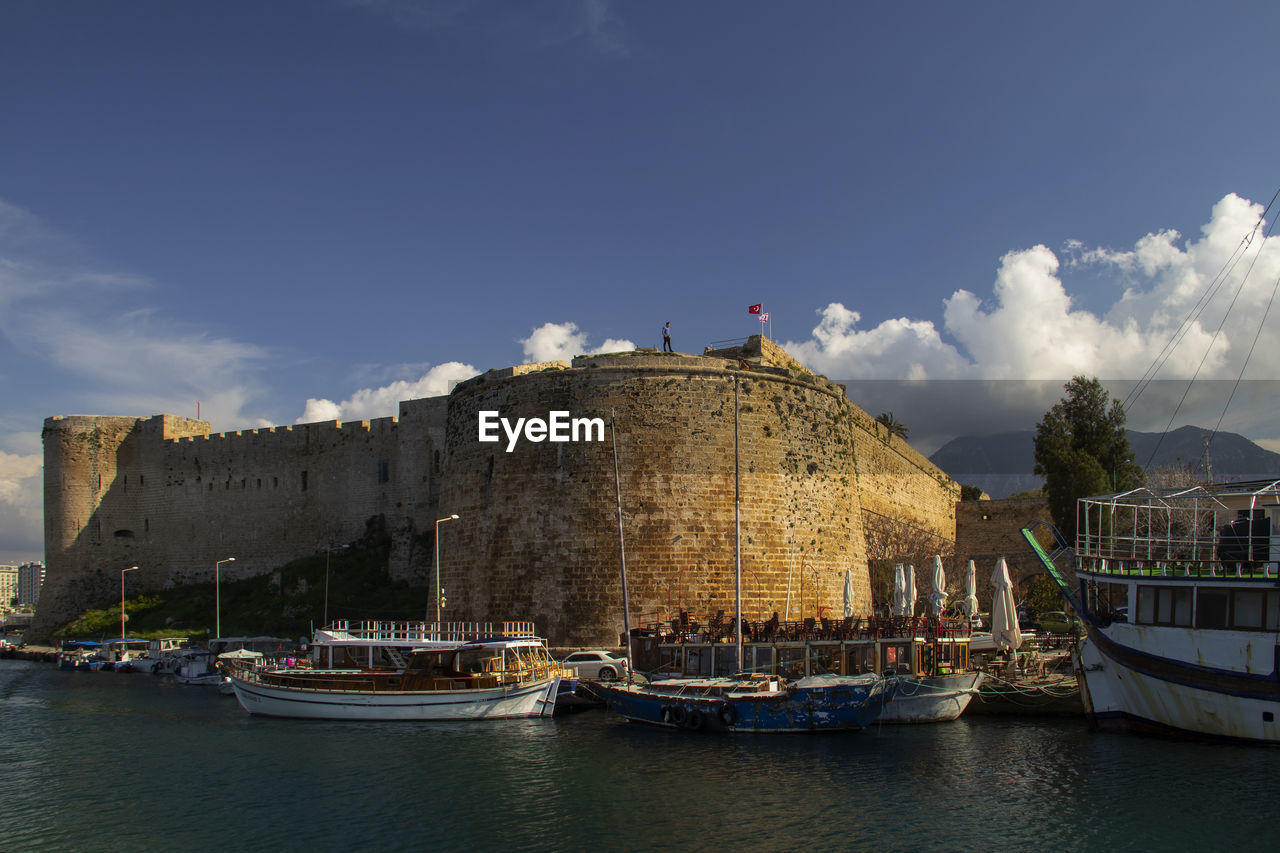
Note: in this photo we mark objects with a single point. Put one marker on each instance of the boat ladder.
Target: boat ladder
(397, 657)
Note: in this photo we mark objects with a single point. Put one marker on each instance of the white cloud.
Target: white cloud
(1030, 329)
(21, 509)
(384, 401)
(563, 341)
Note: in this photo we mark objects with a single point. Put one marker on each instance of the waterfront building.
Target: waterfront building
(8, 587)
(30, 580)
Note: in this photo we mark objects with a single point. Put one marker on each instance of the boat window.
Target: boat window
(1211, 608)
(726, 659)
(896, 658)
(760, 658)
(699, 662)
(824, 659)
(1182, 607)
(669, 660)
(1272, 611)
(1246, 609)
(1146, 605)
(791, 662)
(1164, 606)
(861, 659)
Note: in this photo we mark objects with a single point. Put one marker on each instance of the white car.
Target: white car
(599, 664)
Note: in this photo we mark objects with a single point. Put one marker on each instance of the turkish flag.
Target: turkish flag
(754, 309)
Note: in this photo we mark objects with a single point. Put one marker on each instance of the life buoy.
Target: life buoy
(678, 715)
(728, 714)
(695, 721)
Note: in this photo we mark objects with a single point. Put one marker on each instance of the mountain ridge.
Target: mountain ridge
(1003, 463)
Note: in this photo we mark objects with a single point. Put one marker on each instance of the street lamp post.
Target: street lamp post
(438, 522)
(122, 571)
(217, 593)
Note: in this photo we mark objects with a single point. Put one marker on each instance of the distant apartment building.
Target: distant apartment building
(8, 587)
(30, 579)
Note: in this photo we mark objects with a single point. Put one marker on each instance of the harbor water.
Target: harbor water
(103, 761)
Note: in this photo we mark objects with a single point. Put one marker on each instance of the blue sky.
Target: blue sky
(307, 210)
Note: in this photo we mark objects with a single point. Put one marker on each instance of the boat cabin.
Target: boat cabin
(1206, 557)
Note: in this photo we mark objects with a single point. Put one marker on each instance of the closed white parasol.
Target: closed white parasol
(1004, 614)
(911, 592)
(971, 591)
(848, 593)
(938, 596)
(899, 607)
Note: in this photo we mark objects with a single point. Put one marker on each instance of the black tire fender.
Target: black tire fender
(696, 720)
(728, 714)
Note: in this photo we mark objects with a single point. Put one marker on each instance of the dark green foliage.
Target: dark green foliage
(1081, 450)
(288, 602)
(1043, 594)
(970, 493)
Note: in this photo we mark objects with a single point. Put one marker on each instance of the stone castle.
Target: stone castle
(537, 535)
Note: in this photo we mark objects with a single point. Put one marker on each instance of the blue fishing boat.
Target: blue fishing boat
(754, 703)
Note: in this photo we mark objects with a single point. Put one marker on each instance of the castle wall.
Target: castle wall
(537, 535)
(990, 529)
(164, 494)
(896, 481)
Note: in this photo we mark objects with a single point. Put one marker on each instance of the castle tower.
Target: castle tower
(94, 522)
(537, 535)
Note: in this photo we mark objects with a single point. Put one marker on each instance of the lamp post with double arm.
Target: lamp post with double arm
(122, 571)
(439, 521)
(217, 594)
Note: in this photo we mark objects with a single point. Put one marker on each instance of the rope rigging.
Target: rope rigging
(1191, 319)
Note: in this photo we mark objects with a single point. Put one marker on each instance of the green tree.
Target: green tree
(970, 492)
(893, 425)
(1082, 449)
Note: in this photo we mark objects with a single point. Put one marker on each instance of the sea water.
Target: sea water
(105, 761)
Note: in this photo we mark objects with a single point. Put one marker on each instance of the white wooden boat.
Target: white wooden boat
(494, 677)
(931, 698)
(1179, 599)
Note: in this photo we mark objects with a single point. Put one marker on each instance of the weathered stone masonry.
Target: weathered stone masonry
(537, 534)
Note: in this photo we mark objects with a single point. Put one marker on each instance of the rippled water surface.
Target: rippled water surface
(100, 761)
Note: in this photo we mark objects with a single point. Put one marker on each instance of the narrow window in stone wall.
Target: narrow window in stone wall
(259, 482)
(142, 479)
(242, 482)
(211, 486)
(384, 471)
(146, 525)
(275, 482)
(304, 481)
(437, 461)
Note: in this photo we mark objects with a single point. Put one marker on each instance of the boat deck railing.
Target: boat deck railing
(1226, 531)
(1190, 570)
(429, 632)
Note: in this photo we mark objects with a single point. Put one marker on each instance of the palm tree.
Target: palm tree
(893, 425)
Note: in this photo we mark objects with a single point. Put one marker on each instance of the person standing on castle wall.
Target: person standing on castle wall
(666, 338)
